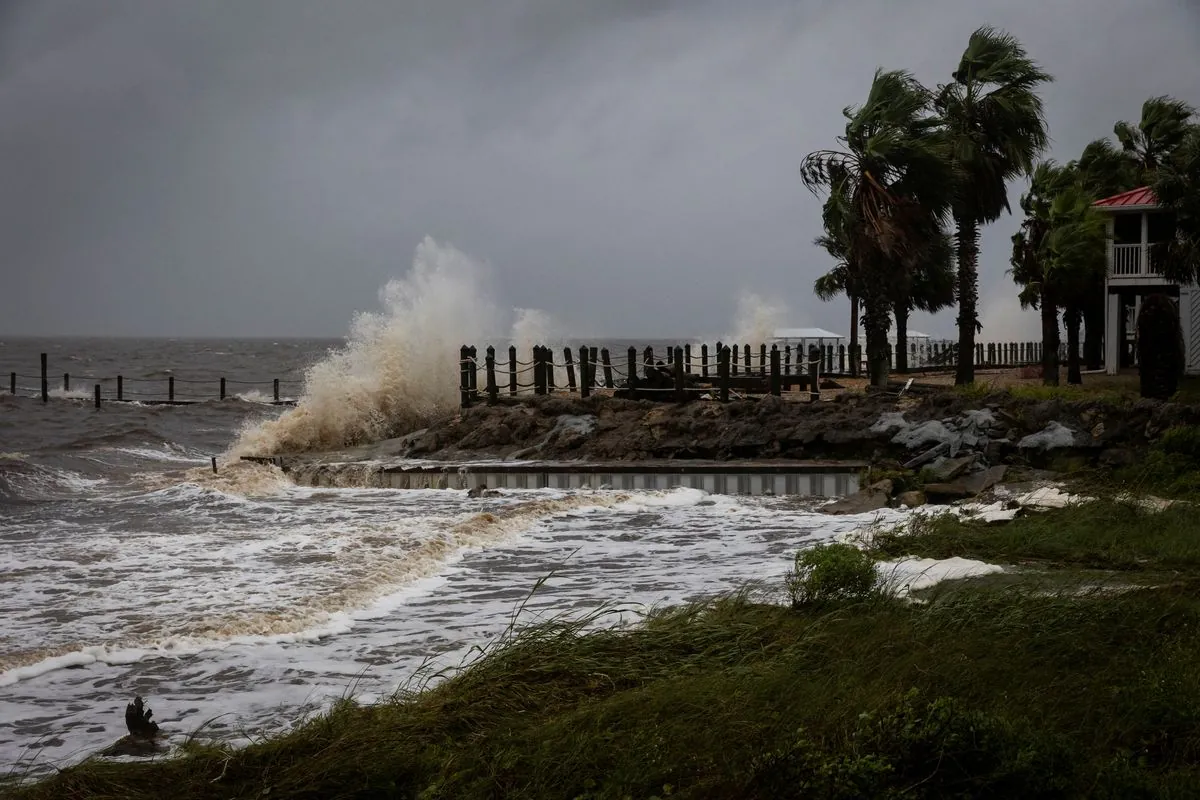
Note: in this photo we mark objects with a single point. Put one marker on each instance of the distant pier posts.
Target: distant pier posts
(171, 389)
(119, 388)
(97, 395)
(12, 383)
(45, 381)
(66, 382)
(275, 389)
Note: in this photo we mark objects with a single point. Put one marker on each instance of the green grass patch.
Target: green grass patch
(977, 693)
(1102, 534)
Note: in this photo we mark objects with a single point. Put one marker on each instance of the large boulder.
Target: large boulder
(872, 498)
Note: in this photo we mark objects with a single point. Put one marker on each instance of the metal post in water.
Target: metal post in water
(222, 388)
(120, 387)
(66, 382)
(97, 395)
(45, 383)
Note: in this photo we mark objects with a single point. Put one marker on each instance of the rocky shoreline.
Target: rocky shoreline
(912, 431)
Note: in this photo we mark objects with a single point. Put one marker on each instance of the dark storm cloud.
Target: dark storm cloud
(171, 167)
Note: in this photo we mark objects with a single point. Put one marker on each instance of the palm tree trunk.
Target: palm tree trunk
(968, 297)
(1050, 342)
(853, 336)
(1093, 327)
(1073, 318)
(901, 337)
(875, 320)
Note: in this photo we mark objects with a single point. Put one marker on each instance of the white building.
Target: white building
(1136, 222)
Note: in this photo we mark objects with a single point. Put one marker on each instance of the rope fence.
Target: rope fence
(720, 372)
(148, 391)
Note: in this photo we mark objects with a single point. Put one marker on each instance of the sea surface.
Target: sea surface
(236, 603)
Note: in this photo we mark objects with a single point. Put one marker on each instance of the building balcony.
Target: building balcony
(1131, 261)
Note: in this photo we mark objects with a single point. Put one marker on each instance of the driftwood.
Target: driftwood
(137, 720)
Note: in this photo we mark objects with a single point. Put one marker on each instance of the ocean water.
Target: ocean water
(237, 602)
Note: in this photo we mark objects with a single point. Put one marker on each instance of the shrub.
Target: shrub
(1160, 347)
(831, 572)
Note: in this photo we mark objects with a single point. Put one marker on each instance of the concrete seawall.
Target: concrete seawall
(797, 478)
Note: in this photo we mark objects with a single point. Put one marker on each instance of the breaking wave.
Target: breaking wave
(399, 369)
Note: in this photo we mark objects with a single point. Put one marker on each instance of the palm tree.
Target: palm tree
(840, 279)
(993, 118)
(1164, 125)
(890, 176)
(1028, 258)
(1073, 261)
(1177, 186)
(927, 284)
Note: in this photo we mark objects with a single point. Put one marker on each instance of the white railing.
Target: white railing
(1130, 260)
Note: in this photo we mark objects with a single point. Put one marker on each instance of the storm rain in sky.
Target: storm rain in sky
(173, 167)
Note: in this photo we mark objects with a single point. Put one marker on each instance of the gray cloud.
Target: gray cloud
(204, 168)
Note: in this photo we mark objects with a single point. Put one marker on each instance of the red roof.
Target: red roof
(1133, 198)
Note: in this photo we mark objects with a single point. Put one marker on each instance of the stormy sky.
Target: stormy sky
(263, 167)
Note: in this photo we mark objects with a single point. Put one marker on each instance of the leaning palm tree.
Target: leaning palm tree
(927, 285)
(1177, 186)
(890, 176)
(993, 118)
(1074, 259)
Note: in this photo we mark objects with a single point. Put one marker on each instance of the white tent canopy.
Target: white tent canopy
(806, 336)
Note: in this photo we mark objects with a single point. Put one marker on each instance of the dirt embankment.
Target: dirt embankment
(853, 426)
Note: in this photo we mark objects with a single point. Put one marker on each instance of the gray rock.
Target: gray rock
(979, 482)
(946, 492)
(911, 499)
(1053, 436)
(944, 470)
(870, 499)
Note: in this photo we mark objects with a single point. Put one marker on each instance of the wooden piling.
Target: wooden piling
(814, 373)
(97, 395)
(275, 388)
(787, 360)
(548, 354)
(512, 370)
(717, 355)
(214, 465)
(473, 372)
(119, 388)
(585, 376)
(171, 389)
(670, 356)
(762, 360)
(704, 361)
(746, 353)
(12, 383)
(733, 360)
(569, 360)
(66, 382)
(841, 359)
(608, 371)
(647, 361)
(776, 372)
(539, 371)
(680, 386)
(631, 371)
(593, 360)
(493, 391)
(464, 386)
(723, 371)
(687, 358)
(45, 384)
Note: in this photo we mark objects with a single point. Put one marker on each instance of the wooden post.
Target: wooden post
(569, 360)
(680, 390)
(12, 383)
(704, 361)
(45, 385)
(687, 358)
(746, 353)
(97, 395)
(787, 359)
(733, 360)
(493, 391)
(119, 388)
(66, 382)
(171, 389)
(464, 386)
(776, 376)
(275, 388)
(723, 367)
(841, 359)
(539, 371)
(608, 375)
(512, 370)
(648, 360)
(473, 372)
(548, 354)
(631, 370)
(717, 355)
(585, 377)
(214, 465)
(991, 356)
(762, 360)
(670, 356)
(593, 360)
(814, 372)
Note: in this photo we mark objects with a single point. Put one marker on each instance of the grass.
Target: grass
(984, 690)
